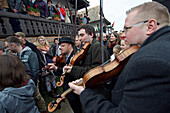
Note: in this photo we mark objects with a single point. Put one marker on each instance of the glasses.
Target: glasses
(41, 40)
(129, 27)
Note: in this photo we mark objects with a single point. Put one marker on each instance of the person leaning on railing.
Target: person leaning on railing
(4, 5)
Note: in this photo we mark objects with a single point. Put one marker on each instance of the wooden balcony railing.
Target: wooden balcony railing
(33, 26)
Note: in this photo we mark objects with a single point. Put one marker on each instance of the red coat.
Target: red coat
(62, 11)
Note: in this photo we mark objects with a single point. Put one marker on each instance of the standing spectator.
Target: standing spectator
(73, 16)
(42, 6)
(51, 9)
(104, 39)
(124, 44)
(1, 49)
(15, 7)
(116, 50)
(30, 60)
(78, 43)
(113, 40)
(21, 37)
(84, 20)
(60, 12)
(87, 18)
(4, 5)
(16, 88)
(27, 56)
(67, 19)
(104, 28)
(55, 48)
(27, 3)
(44, 47)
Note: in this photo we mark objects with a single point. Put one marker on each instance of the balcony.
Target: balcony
(34, 26)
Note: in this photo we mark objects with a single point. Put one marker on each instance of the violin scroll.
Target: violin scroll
(52, 106)
(59, 84)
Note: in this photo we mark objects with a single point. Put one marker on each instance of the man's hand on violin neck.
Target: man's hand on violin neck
(76, 89)
(67, 68)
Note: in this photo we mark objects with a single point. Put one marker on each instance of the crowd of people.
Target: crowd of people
(47, 10)
(142, 86)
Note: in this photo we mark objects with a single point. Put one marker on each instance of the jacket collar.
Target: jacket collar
(93, 41)
(156, 35)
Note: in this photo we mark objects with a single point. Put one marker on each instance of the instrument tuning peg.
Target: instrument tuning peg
(54, 102)
(58, 96)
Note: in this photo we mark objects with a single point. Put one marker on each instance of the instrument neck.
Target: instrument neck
(70, 90)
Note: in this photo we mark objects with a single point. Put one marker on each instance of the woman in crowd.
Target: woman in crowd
(16, 88)
(60, 11)
(113, 40)
(124, 45)
(67, 19)
(44, 47)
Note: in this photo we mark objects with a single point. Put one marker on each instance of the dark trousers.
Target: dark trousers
(73, 99)
(74, 102)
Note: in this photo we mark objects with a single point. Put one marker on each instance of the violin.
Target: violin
(52, 106)
(74, 61)
(60, 61)
(99, 74)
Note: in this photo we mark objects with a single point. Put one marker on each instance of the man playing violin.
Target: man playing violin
(86, 33)
(143, 85)
(66, 48)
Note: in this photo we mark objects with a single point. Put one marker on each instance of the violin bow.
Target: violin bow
(101, 33)
(58, 37)
(75, 26)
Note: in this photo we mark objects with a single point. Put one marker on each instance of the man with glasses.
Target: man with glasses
(144, 83)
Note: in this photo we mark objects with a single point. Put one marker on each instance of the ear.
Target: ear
(151, 26)
(91, 36)
(13, 45)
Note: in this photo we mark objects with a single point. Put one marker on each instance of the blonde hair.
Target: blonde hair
(117, 47)
(151, 10)
(39, 45)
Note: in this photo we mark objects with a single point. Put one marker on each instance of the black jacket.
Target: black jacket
(143, 85)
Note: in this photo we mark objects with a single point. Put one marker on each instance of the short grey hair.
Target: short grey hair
(151, 10)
